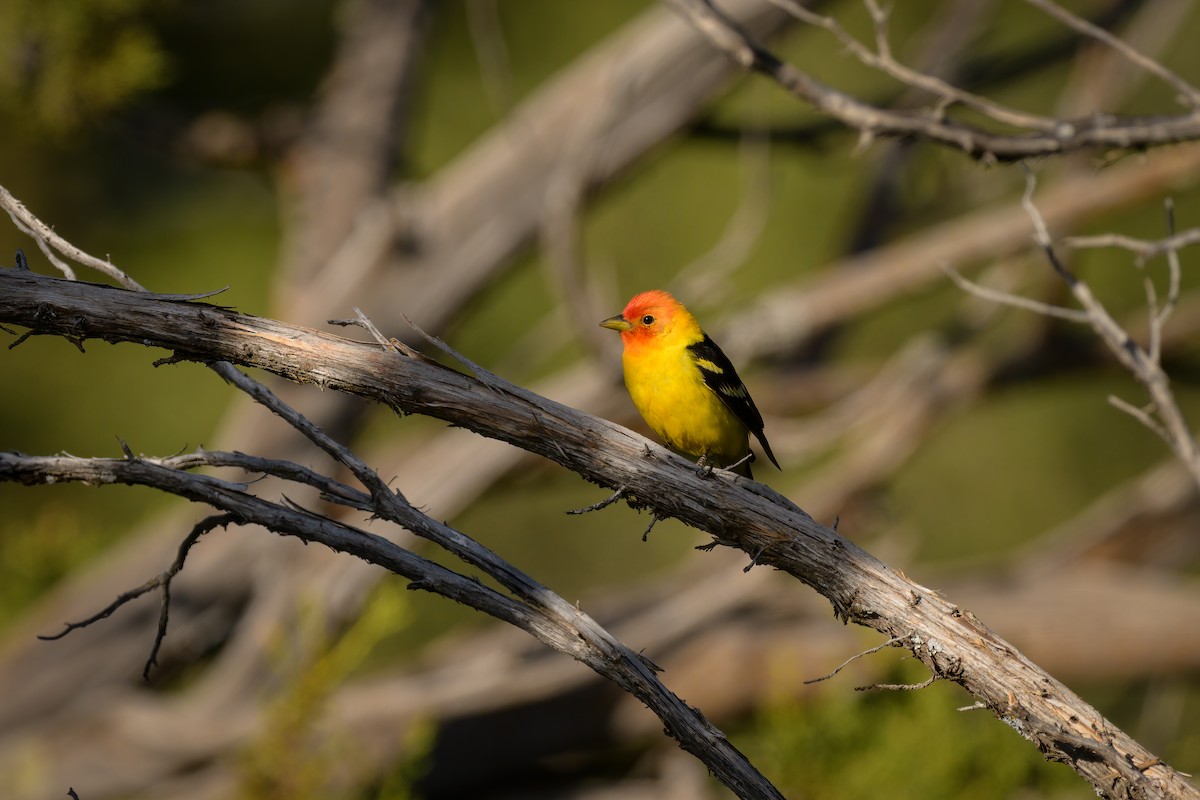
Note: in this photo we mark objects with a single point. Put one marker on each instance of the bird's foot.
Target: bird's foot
(703, 467)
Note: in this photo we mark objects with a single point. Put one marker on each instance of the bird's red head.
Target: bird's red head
(649, 316)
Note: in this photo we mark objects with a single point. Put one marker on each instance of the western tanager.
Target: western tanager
(684, 386)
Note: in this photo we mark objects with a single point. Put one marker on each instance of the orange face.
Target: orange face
(646, 316)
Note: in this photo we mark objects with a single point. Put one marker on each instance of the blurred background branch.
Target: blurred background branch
(968, 443)
(952, 643)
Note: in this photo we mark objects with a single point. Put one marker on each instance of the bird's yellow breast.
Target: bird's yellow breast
(671, 396)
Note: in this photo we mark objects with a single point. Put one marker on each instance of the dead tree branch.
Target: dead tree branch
(1035, 136)
(1162, 415)
(536, 610)
(738, 513)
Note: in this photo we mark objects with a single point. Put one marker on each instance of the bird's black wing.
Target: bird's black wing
(722, 378)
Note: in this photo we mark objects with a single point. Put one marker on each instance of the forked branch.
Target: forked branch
(1162, 414)
(1036, 135)
(738, 513)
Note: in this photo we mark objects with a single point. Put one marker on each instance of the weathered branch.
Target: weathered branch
(1097, 131)
(162, 581)
(1163, 415)
(540, 612)
(950, 641)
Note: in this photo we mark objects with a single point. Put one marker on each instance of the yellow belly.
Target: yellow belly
(688, 415)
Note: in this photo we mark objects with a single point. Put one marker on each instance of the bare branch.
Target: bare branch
(1142, 415)
(899, 687)
(1145, 249)
(873, 121)
(1188, 95)
(605, 503)
(1163, 415)
(883, 60)
(1174, 271)
(540, 612)
(162, 582)
(51, 244)
(736, 512)
(1014, 300)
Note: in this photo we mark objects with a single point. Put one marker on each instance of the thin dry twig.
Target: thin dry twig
(1143, 365)
(1098, 131)
(883, 60)
(1144, 249)
(51, 244)
(1143, 414)
(361, 320)
(162, 582)
(1188, 94)
(898, 687)
(1014, 300)
(1162, 415)
(855, 657)
(605, 503)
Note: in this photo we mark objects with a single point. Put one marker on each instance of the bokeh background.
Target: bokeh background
(507, 174)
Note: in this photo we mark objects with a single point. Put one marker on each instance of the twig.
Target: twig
(1142, 415)
(1174, 273)
(899, 687)
(884, 61)
(872, 121)
(1145, 249)
(1137, 361)
(1188, 94)
(754, 559)
(330, 489)
(654, 518)
(162, 582)
(363, 321)
(857, 656)
(50, 243)
(1041, 234)
(1014, 300)
(1163, 415)
(605, 503)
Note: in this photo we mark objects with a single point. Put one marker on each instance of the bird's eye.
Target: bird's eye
(648, 319)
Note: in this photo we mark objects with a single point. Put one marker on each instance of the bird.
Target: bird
(684, 386)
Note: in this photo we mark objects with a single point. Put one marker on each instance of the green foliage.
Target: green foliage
(845, 745)
(34, 553)
(415, 764)
(291, 758)
(71, 61)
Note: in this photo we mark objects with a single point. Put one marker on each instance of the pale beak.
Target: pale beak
(617, 323)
